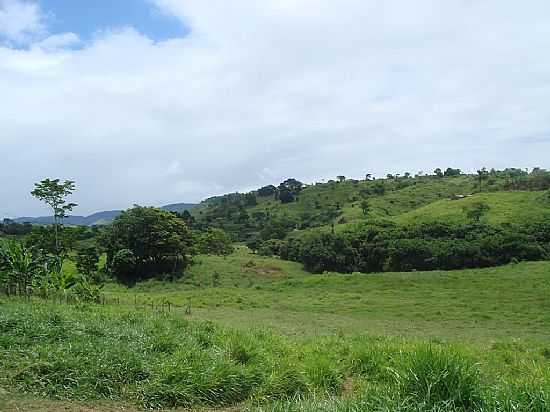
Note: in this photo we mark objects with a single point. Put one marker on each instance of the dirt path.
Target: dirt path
(23, 405)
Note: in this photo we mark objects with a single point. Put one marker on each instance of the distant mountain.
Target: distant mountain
(179, 207)
(99, 218)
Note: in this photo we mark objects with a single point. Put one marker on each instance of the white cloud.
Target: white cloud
(20, 20)
(261, 91)
(58, 41)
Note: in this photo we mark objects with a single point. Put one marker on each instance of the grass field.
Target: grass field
(505, 207)
(476, 304)
(93, 355)
(266, 336)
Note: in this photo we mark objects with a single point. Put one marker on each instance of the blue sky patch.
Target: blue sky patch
(87, 17)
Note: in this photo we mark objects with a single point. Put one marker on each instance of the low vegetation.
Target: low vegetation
(95, 353)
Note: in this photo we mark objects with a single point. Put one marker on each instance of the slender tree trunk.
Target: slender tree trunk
(56, 238)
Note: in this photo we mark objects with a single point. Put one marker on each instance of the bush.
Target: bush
(215, 242)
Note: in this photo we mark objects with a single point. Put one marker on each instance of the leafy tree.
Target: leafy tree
(124, 264)
(450, 172)
(268, 190)
(54, 194)
(295, 186)
(341, 178)
(285, 195)
(254, 243)
(44, 239)
(482, 175)
(438, 172)
(215, 242)
(188, 218)
(151, 240)
(250, 199)
(87, 260)
(476, 211)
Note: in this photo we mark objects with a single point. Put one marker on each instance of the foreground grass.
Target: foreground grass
(253, 291)
(98, 354)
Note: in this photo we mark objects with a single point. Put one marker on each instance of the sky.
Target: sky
(162, 101)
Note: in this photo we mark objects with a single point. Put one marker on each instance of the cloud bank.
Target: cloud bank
(261, 91)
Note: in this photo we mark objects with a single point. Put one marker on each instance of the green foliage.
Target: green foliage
(144, 242)
(123, 263)
(87, 260)
(476, 211)
(365, 207)
(25, 272)
(53, 193)
(18, 266)
(215, 242)
(10, 228)
(426, 246)
(450, 172)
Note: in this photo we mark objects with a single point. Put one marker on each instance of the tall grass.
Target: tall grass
(157, 361)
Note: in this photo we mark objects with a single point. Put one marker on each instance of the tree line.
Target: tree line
(427, 246)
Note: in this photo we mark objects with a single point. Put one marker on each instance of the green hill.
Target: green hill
(504, 207)
(512, 195)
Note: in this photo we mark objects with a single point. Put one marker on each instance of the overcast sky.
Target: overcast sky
(162, 101)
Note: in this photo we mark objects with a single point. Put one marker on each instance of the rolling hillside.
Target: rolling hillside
(504, 207)
(512, 195)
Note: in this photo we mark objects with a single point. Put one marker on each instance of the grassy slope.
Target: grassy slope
(504, 207)
(509, 301)
(347, 194)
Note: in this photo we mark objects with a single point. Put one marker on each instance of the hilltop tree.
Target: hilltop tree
(268, 190)
(438, 172)
(341, 178)
(288, 190)
(450, 172)
(482, 175)
(54, 194)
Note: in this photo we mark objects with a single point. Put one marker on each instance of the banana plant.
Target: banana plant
(19, 265)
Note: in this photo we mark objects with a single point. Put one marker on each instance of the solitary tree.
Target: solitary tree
(53, 192)
(341, 178)
(476, 211)
(365, 207)
(482, 175)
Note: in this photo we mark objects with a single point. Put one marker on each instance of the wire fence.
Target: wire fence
(162, 304)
